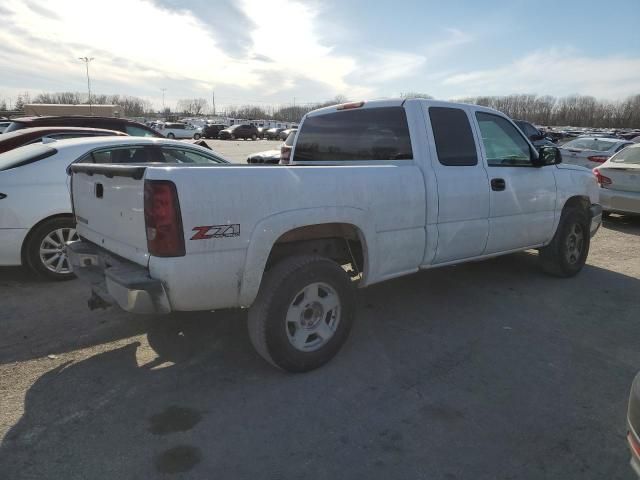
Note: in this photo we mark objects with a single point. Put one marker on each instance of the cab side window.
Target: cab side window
(503, 143)
(453, 137)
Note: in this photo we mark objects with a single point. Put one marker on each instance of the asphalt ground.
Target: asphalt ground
(488, 370)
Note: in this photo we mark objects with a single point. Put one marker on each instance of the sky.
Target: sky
(281, 51)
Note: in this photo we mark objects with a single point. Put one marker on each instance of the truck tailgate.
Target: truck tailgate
(108, 202)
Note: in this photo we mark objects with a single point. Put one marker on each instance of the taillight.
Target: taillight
(285, 155)
(165, 237)
(601, 179)
(598, 158)
(633, 443)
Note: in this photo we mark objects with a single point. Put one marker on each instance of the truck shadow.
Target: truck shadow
(491, 358)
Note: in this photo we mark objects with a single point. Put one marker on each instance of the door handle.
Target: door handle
(498, 184)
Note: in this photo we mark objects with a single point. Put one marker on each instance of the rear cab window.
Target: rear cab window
(378, 133)
(25, 155)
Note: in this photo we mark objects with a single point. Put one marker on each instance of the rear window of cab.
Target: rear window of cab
(355, 135)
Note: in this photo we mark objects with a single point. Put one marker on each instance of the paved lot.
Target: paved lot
(490, 370)
(238, 150)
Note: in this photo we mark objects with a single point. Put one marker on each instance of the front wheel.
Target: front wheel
(196, 136)
(171, 136)
(567, 253)
(303, 313)
(46, 248)
(233, 137)
(254, 137)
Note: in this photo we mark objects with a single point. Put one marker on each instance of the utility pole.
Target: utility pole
(163, 90)
(213, 101)
(86, 61)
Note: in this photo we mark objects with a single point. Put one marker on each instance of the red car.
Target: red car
(25, 136)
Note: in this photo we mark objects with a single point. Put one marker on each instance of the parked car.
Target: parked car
(211, 130)
(36, 219)
(26, 136)
(378, 189)
(273, 133)
(179, 130)
(262, 131)
(287, 146)
(534, 135)
(285, 133)
(268, 156)
(3, 126)
(245, 130)
(591, 152)
(134, 129)
(633, 424)
(619, 179)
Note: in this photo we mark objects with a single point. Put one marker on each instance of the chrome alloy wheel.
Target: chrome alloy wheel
(313, 317)
(53, 250)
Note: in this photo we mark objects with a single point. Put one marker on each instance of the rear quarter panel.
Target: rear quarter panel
(385, 202)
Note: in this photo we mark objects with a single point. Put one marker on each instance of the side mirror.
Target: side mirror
(547, 156)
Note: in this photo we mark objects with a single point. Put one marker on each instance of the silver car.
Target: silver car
(619, 178)
(591, 152)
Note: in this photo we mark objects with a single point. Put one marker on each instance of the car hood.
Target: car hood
(268, 153)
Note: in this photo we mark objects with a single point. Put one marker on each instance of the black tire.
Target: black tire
(196, 136)
(232, 137)
(171, 135)
(36, 239)
(268, 329)
(559, 258)
(254, 137)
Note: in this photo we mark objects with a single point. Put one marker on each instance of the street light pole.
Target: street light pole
(86, 61)
(163, 90)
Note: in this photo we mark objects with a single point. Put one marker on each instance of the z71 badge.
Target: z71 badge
(216, 231)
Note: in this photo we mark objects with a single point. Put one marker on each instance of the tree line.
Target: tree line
(572, 110)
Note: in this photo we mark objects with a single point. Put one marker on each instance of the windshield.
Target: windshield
(595, 144)
(630, 155)
(25, 155)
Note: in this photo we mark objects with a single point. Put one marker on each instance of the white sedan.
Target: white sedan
(591, 152)
(179, 130)
(619, 178)
(36, 220)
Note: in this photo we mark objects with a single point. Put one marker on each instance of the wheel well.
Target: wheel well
(32, 229)
(341, 242)
(578, 201)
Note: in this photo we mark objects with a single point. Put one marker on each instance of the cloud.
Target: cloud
(236, 45)
(557, 71)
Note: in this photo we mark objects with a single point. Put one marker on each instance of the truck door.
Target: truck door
(523, 197)
(463, 187)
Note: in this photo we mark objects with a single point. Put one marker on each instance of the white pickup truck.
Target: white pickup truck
(374, 191)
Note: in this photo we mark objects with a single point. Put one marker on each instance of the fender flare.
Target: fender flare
(268, 230)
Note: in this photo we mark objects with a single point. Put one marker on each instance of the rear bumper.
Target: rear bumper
(117, 281)
(619, 201)
(11, 240)
(596, 218)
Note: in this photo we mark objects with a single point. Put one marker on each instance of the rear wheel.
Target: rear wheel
(196, 136)
(303, 313)
(567, 253)
(233, 137)
(46, 249)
